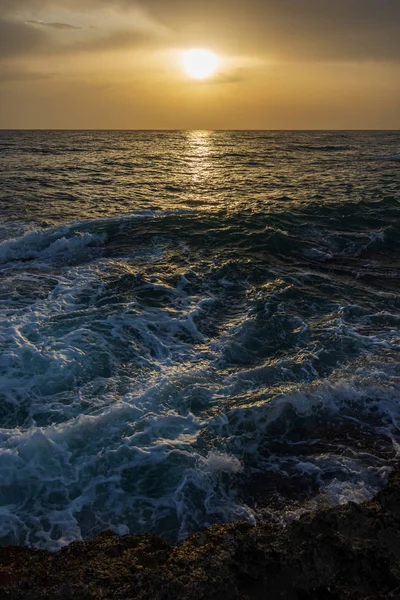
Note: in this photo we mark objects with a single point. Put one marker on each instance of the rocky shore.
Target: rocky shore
(350, 552)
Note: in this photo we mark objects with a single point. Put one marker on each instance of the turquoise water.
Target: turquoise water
(195, 327)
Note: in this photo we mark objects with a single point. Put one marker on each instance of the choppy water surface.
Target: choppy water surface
(195, 327)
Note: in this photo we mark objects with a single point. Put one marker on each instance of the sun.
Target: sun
(199, 63)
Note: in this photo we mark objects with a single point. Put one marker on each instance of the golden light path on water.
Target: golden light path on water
(199, 142)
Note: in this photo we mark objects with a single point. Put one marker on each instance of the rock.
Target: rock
(350, 552)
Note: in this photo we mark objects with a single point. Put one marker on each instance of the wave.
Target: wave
(48, 243)
(391, 157)
(322, 148)
(129, 468)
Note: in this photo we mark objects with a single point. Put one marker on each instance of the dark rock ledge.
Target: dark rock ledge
(350, 552)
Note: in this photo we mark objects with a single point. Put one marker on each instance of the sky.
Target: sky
(117, 64)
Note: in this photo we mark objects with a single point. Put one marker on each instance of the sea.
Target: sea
(196, 327)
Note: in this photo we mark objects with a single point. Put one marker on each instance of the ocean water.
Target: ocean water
(195, 327)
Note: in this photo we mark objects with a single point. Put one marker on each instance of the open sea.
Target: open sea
(195, 327)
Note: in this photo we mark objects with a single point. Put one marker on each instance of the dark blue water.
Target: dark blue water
(195, 327)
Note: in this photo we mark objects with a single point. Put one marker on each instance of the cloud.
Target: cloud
(65, 26)
(104, 26)
(346, 30)
(290, 30)
(19, 39)
(232, 76)
(339, 30)
(8, 75)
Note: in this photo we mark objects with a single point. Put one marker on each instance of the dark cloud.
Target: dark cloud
(293, 30)
(340, 29)
(115, 41)
(19, 39)
(65, 26)
(37, 36)
(316, 29)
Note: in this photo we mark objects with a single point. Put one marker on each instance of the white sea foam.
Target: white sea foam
(132, 467)
(119, 411)
(46, 243)
(217, 462)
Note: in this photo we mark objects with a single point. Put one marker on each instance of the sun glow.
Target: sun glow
(200, 64)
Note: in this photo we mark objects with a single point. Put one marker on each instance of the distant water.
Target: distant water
(196, 327)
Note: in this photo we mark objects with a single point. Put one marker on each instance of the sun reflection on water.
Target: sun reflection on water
(199, 153)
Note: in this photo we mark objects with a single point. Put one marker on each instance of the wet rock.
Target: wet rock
(350, 552)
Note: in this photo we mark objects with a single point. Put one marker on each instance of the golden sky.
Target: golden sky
(283, 64)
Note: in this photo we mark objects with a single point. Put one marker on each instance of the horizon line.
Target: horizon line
(189, 129)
